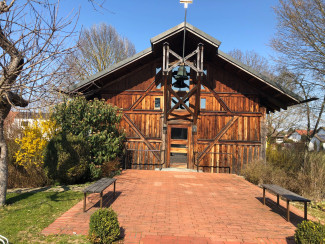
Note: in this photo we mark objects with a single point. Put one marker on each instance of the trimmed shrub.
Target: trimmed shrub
(309, 232)
(104, 226)
(66, 159)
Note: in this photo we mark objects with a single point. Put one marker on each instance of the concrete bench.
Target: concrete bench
(98, 187)
(288, 195)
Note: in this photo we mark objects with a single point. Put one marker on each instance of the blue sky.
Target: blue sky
(241, 24)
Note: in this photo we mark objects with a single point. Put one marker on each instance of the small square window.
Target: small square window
(203, 103)
(157, 103)
(24, 123)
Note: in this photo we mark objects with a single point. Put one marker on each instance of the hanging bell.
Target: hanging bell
(180, 77)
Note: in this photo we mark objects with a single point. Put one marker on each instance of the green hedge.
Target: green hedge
(104, 226)
(66, 159)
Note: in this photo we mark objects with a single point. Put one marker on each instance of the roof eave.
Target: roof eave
(258, 76)
(113, 68)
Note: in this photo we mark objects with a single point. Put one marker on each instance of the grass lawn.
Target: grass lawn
(316, 210)
(27, 214)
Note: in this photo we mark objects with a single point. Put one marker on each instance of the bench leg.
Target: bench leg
(305, 208)
(288, 210)
(101, 200)
(263, 196)
(114, 189)
(85, 196)
(277, 199)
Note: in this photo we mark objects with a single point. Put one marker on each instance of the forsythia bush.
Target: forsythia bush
(33, 142)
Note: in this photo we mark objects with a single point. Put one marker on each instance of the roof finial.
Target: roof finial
(186, 2)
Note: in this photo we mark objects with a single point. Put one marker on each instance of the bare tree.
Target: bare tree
(253, 60)
(300, 42)
(98, 48)
(32, 45)
(300, 34)
(278, 122)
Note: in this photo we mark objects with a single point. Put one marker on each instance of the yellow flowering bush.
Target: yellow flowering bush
(33, 142)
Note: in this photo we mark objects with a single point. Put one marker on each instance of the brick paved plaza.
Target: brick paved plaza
(183, 207)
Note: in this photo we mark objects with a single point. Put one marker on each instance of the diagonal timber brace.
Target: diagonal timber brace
(181, 101)
(152, 85)
(216, 139)
(139, 133)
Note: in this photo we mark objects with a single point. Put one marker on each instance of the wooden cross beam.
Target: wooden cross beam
(181, 100)
(152, 85)
(139, 133)
(218, 136)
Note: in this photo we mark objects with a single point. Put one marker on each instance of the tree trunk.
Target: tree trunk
(4, 111)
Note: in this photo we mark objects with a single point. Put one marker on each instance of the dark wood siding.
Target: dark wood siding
(228, 129)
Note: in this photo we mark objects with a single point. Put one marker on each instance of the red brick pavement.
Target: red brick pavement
(182, 207)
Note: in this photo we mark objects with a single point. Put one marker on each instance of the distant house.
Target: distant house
(297, 135)
(321, 131)
(17, 120)
(318, 141)
(279, 139)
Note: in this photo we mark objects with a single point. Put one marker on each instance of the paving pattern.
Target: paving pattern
(183, 207)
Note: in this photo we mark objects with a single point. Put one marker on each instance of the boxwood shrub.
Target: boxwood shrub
(104, 226)
(309, 232)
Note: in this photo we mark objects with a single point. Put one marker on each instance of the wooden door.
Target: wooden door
(178, 146)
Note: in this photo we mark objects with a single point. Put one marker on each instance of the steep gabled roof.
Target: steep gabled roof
(179, 29)
(273, 96)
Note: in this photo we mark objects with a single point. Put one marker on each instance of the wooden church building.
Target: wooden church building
(195, 108)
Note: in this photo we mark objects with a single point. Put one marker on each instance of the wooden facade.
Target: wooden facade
(216, 121)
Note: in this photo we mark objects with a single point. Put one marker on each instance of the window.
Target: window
(179, 133)
(157, 103)
(203, 103)
(24, 123)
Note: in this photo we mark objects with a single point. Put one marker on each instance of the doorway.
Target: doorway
(178, 146)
